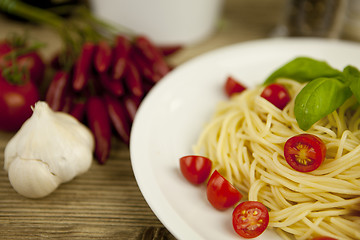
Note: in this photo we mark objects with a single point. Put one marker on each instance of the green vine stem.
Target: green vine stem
(38, 15)
(82, 26)
(104, 27)
(31, 13)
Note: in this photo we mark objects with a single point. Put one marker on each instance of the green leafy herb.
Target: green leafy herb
(319, 98)
(303, 69)
(352, 78)
(327, 88)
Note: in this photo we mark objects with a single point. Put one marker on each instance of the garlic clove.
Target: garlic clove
(51, 141)
(32, 178)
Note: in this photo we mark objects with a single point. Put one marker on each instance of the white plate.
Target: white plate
(171, 118)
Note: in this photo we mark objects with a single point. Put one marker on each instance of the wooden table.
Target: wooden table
(105, 202)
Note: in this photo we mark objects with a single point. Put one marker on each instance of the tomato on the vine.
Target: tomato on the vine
(16, 100)
(304, 152)
(250, 219)
(196, 169)
(29, 60)
(233, 86)
(33, 62)
(5, 48)
(221, 193)
(277, 94)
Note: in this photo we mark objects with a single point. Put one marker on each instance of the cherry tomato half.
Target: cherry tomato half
(323, 238)
(304, 152)
(233, 86)
(277, 94)
(196, 169)
(250, 219)
(221, 193)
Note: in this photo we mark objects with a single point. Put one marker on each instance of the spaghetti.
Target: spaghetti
(245, 140)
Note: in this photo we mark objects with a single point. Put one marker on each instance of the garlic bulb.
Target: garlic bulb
(49, 149)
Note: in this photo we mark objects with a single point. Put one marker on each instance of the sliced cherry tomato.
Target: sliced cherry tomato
(277, 94)
(233, 86)
(323, 238)
(304, 152)
(196, 169)
(221, 193)
(250, 219)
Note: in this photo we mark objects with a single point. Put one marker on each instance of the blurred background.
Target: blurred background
(211, 24)
(106, 202)
(204, 23)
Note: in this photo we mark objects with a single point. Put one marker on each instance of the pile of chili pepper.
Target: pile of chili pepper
(106, 84)
(101, 75)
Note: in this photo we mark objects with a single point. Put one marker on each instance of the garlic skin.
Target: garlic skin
(49, 149)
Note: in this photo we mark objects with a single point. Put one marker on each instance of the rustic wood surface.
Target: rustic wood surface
(105, 202)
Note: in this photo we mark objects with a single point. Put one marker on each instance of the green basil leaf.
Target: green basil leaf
(303, 69)
(319, 98)
(352, 78)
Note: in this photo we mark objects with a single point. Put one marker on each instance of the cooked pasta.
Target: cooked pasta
(245, 140)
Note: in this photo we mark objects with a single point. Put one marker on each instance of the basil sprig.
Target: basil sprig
(303, 69)
(326, 90)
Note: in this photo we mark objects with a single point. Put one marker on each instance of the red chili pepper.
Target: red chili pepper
(118, 117)
(133, 80)
(58, 88)
(153, 55)
(114, 87)
(103, 56)
(83, 66)
(68, 103)
(95, 86)
(121, 51)
(78, 110)
(169, 50)
(99, 123)
(55, 62)
(147, 86)
(131, 104)
(144, 66)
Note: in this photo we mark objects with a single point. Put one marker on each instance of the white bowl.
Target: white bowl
(166, 22)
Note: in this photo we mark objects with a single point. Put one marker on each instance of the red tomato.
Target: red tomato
(277, 94)
(5, 48)
(15, 103)
(250, 219)
(304, 152)
(32, 61)
(323, 238)
(35, 65)
(196, 169)
(233, 86)
(221, 193)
